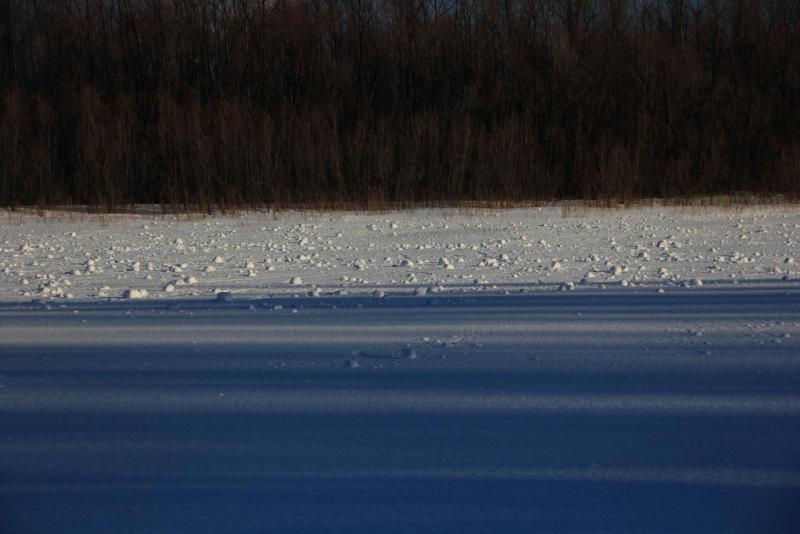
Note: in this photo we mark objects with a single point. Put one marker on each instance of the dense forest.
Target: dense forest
(216, 104)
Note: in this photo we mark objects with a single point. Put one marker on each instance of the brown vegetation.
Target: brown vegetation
(214, 104)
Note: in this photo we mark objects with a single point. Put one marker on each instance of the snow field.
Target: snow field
(428, 371)
(420, 252)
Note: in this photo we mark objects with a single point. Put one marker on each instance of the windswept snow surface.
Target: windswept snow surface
(428, 371)
(522, 250)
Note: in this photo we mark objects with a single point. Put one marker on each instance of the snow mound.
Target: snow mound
(134, 294)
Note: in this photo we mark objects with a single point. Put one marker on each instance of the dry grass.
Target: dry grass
(568, 208)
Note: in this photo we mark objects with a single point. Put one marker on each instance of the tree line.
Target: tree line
(216, 104)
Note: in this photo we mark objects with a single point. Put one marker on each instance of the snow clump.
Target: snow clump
(134, 294)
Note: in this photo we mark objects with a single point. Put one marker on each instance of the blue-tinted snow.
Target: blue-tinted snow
(584, 411)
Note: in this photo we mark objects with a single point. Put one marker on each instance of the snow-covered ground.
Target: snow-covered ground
(397, 253)
(617, 371)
